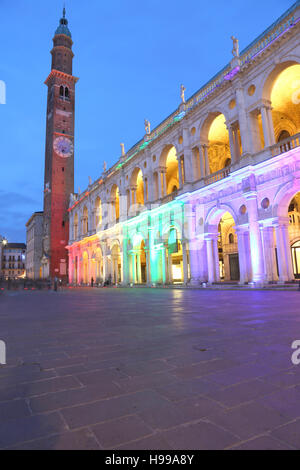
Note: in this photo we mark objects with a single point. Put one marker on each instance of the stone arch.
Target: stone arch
(269, 77)
(214, 133)
(85, 267)
(216, 213)
(85, 220)
(98, 212)
(115, 201)
(284, 196)
(205, 124)
(137, 238)
(169, 161)
(167, 227)
(137, 185)
(164, 153)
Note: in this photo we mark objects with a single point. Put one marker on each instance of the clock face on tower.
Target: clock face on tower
(63, 146)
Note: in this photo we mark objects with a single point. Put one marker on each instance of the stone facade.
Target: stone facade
(211, 193)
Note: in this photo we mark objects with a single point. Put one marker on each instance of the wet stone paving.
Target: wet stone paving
(149, 369)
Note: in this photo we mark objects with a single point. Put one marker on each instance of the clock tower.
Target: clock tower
(59, 154)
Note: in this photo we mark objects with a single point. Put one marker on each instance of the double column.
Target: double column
(256, 247)
(243, 120)
(162, 181)
(213, 266)
(234, 141)
(267, 123)
(269, 254)
(284, 257)
(204, 160)
(244, 254)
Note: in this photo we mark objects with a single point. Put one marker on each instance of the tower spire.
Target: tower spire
(63, 25)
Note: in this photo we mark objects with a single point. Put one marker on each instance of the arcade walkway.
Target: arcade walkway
(149, 369)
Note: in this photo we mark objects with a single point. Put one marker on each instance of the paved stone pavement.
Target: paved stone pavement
(149, 369)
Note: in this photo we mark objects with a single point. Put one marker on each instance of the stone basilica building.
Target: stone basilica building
(210, 195)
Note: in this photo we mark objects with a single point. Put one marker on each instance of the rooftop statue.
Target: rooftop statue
(182, 90)
(235, 50)
(122, 149)
(147, 127)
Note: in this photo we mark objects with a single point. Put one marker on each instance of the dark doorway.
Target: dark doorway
(234, 267)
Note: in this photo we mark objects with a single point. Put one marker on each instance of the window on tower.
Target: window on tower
(67, 92)
(61, 91)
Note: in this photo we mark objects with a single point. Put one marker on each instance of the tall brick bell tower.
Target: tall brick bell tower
(59, 155)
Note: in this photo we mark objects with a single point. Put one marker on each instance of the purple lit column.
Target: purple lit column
(255, 240)
(194, 261)
(210, 260)
(242, 255)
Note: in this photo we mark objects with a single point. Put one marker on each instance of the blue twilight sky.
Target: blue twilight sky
(131, 57)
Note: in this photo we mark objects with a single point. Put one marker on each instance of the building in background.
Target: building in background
(13, 260)
(34, 245)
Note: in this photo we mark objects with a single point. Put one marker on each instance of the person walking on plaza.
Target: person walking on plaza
(55, 283)
(92, 282)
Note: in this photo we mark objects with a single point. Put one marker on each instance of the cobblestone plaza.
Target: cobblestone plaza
(149, 369)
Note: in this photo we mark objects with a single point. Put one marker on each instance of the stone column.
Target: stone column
(282, 266)
(89, 276)
(194, 262)
(170, 274)
(205, 152)
(210, 260)
(133, 261)
(148, 266)
(242, 255)
(216, 257)
(125, 266)
(123, 205)
(71, 266)
(243, 119)
(179, 171)
(188, 159)
(151, 189)
(184, 262)
(202, 163)
(269, 254)
(231, 143)
(105, 265)
(255, 134)
(159, 194)
(164, 181)
(288, 252)
(78, 280)
(139, 270)
(133, 192)
(237, 153)
(267, 123)
(164, 265)
(255, 240)
(271, 125)
(145, 179)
